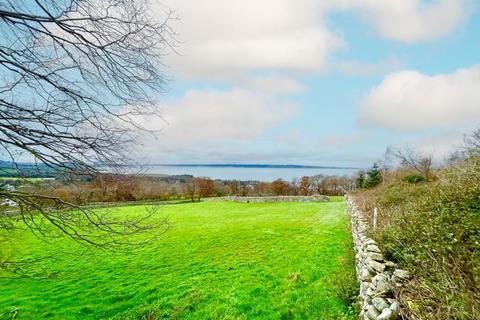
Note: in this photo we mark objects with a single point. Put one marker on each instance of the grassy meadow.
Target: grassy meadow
(218, 260)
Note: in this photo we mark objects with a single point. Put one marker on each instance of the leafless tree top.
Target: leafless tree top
(73, 76)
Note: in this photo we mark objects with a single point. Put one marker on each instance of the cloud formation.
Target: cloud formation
(214, 117)
(220, 38)
(266, 51)
(411, 21)
(410, 100)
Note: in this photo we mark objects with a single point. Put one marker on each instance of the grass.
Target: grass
(219, 260)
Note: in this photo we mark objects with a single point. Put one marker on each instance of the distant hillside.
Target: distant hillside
(29, 170)
(237, 165)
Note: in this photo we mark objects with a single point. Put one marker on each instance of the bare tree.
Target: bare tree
(295, 186)
(472, 143)
(75, 75)
(190, 189)
(233, 187)
(318, 184)
(305, 186)
(262, 188)
(385, 162)
(332, 185)
(422, 163)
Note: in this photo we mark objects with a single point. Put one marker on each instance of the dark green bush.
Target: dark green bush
(414, 178)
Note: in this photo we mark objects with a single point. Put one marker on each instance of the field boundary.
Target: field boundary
(378, 278)
(270, 199)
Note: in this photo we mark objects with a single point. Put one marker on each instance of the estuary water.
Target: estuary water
(266, 174)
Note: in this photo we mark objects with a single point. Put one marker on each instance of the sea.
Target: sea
(264, 173)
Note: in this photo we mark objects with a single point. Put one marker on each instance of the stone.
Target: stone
(377, 276)
(365, 275)
(376, 256)
(380, 304)
(395, 307)
(372, 313)
(369, 292)
(386, 314)
(382, 284)
(373, 248)
(401, 274)
(375, 265)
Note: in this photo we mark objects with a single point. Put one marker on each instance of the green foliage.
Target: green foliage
(219, 260)
(374, 177)
(433, 229)
(414, 178)
(360, 180)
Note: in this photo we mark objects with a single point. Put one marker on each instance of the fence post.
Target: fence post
(375, 218)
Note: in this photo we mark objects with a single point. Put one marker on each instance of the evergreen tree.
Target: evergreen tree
(374, 176)
(360, 180)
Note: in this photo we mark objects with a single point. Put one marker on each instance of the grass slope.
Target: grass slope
(218, 261)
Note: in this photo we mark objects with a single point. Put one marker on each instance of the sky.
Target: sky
(316, 82)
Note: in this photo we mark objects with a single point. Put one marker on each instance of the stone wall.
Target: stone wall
(314, 198)
(378, 278)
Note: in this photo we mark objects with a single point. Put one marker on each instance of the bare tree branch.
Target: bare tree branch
(75, 75)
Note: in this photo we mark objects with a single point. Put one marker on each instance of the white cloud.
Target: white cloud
(273, 84)
(410, 100)
(410, 21)
(220, 39)
(214, 118)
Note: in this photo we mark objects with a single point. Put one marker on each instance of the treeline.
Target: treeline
(120, 188)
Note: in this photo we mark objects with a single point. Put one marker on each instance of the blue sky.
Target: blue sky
(317, 82)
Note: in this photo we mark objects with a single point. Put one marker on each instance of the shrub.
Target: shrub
(432, 229)
(414, 178)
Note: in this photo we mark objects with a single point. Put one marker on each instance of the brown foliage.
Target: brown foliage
(280, 187)
(305, 186)
(206, 187)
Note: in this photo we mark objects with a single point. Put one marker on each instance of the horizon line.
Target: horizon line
(253, 165)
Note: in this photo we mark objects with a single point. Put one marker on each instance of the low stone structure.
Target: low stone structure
(314, 198)
(377, 277)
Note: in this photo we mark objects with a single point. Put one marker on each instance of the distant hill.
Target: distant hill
(236, 165)
(23, 169)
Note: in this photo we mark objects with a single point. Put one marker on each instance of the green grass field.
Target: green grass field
(219, 260)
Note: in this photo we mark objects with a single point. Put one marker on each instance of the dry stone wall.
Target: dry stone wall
(314, 198)
(378, 278)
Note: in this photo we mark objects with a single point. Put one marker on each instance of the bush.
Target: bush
(414, 178)
(432, 229)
